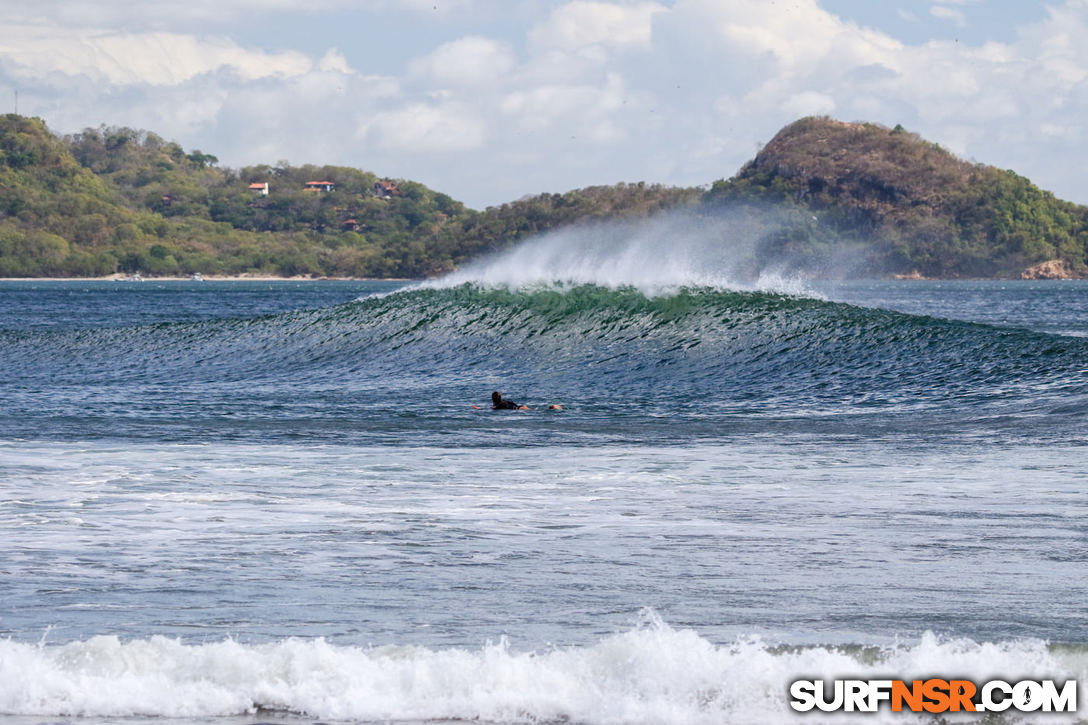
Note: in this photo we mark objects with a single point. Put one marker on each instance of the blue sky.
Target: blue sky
(490, 100)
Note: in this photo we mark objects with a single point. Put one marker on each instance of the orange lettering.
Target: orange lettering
(936, 691)
(911, 695)
(961, 692)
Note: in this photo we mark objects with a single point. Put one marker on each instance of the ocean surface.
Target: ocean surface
(228, 502)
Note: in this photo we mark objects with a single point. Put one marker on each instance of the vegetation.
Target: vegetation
(844, 198)
(500, 227)
(884, 201)
(119, 200)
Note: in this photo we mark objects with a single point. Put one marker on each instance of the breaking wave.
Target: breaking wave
(650, 674)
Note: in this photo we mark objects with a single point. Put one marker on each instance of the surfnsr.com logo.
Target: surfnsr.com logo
(934, 696)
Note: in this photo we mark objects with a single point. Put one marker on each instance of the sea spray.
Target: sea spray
(657, 255)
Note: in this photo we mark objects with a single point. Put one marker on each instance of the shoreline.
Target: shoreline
(303, 278)
(211, 278)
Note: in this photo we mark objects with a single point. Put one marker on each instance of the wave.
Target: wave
(652, 673)
(700, 352)
(742, 333)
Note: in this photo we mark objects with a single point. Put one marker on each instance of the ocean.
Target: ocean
(234, 502)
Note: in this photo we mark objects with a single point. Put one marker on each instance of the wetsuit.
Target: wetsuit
(505, 405)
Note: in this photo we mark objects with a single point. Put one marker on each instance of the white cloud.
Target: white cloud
(809, 103)
(946, 13)
(594, 92)
(36, 51)
(470, 61)
(579, 24)
(576, 109)
(140, 14)
(421, 128)
(334, 62)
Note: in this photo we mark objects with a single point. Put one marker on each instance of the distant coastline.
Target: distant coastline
(212, 278)
(822, 199)
(301, 278)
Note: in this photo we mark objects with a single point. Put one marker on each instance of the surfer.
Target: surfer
(497, 403)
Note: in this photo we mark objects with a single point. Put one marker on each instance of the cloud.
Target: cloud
(333, 61)
(194, 14)
(591, 92)
(946, 13)
(588, 110)
(422, 128)
(809, 103)
(579, 24)
(38, 51)
(469, 61)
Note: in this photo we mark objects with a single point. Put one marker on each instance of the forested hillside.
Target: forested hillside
(826, 198)
(119, 200)
(882, 201)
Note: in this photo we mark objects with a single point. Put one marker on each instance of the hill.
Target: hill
(875, 201)
(823, 198)
(120, 200)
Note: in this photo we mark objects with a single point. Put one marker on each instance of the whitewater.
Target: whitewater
(288, 502)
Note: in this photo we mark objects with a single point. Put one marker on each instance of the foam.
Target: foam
(650, 674)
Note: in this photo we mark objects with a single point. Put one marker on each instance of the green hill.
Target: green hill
(823, 197)
(877, 201)
(119, 200)
(50, 206)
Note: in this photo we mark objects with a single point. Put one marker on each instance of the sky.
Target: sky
(492, 100)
